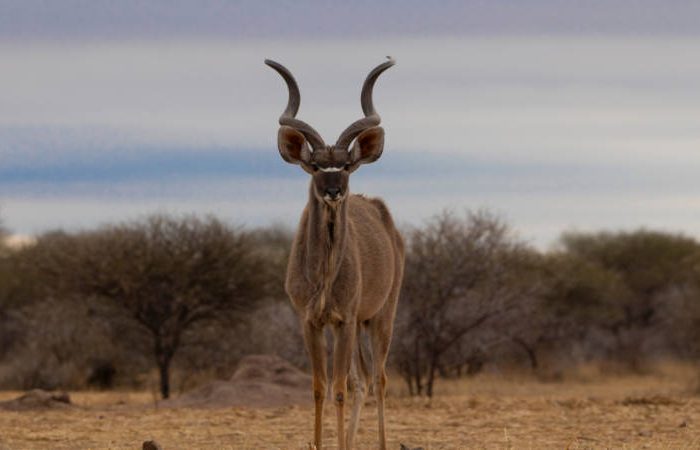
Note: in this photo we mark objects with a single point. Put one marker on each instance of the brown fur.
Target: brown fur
(346, 263)
(348, 279)
(358, 277)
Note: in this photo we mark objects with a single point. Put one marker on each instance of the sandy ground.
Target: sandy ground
(487, 412)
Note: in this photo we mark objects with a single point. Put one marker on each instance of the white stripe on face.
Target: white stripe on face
(330, 169)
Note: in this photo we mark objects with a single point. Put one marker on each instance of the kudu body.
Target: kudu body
(346, 263)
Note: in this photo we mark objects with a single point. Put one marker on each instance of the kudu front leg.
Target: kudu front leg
(359, 379)
(316, 346)
(344, 334)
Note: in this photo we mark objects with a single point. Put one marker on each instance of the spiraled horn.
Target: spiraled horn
(288, 117)
(371, 118)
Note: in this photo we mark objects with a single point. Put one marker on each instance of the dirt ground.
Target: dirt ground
(655, 411)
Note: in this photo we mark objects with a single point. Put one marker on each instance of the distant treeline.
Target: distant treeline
(188, 297)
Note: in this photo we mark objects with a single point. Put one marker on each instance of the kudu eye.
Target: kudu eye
(314, 167)
(346, 167)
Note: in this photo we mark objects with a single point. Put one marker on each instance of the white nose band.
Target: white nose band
(330, 169)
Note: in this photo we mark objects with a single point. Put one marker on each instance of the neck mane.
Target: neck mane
(326, 236)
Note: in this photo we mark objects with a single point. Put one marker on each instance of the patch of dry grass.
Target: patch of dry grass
(651, 411)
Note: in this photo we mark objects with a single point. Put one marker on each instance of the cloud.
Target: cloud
(570, 98)
(256, 187)
(554, 133)
(167, 19)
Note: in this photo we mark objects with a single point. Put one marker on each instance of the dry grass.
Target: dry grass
(589, 411)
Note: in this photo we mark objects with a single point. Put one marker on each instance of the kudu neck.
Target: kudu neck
(328, 223)
(326, 238)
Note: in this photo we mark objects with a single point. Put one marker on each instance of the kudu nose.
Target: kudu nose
(333, 192)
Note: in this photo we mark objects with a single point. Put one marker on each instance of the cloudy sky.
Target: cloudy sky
(579, 115)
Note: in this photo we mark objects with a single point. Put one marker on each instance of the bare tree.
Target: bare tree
(460, 275)
(168, 275)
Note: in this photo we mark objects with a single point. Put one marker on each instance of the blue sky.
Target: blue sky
(246, 19)
(556, 115)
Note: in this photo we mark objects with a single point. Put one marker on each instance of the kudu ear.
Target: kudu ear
(293, 146)
(368, 146)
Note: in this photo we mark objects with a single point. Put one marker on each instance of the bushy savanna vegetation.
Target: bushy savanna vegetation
(167, 302)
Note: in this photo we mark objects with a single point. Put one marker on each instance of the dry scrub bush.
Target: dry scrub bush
(195, 296)
(633, 278)
(474, 295)
(465, 289)
(214, 351)
(62, 345)
(169, 276)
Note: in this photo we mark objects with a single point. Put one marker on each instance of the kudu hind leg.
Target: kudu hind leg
(316, 346)
(359, 379)
(380, 336)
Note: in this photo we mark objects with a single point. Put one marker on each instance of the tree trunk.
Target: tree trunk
(431, 377)
(163, 357)
(417, 368)
(530, 350)
(407, 376)
(409, 381)
(164, 370)
(444, 373)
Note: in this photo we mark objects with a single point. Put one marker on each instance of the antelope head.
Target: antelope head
(330, 166)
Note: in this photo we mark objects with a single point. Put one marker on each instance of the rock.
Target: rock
(38, 399)
(259, 381)
(151, 445)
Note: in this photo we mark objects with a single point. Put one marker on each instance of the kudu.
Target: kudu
(346, 263)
